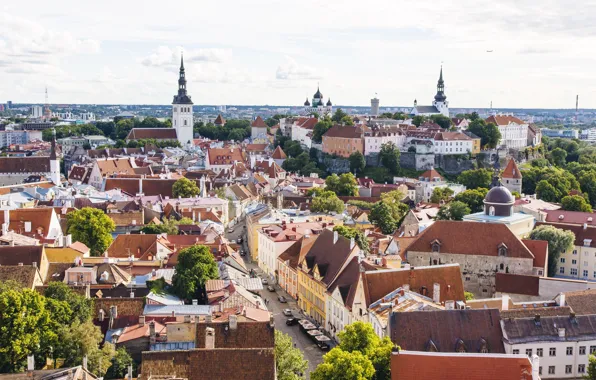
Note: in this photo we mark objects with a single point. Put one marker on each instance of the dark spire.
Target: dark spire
(441, 97)
(181, 62)
(53, 146)
(182, 97)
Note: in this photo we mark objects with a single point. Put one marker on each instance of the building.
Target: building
(514, 132)
(182, 119)
(566, 133)
(288, 263)
(454, 143)
(481, 249)
(218, 159)
(376, 136)
(340, 298)
(534, 135)
(563, 342)
(159, 134)
(11, 137)
(374, 107)
(426, 184)
(412, 365)
(440, 105)
(511, 177)
(302, 130)
(36, 112)
(258, 129)
(343, 140)
(318, 105)
(106, 167)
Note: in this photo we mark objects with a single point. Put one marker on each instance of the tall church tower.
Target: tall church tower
(440, 101)
(54, 163)
(182, 119)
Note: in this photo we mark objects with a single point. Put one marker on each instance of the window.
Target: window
(573, 272)
(585, 263)
(568, 369)
(551, 370)
(561, 270)
(575, 251)
(585, 273)
(529, 352)
(573, 262)
(562, 260)
(552, 351)
(582, 350)
(515, 352)
(592, 350)
(539, 352)
(581, 368)
(540, 370)
(569, 351)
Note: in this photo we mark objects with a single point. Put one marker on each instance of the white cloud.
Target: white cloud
(167, 57)
(292, 70)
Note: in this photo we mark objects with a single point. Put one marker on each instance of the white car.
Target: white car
(230, 230)
(287, 312)
(264, 281)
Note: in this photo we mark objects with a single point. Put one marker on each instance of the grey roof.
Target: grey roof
(522, 330)
(252, 284)
(427, 109)
(167, 310)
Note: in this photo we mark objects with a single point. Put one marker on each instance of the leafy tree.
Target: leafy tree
(476, 178)
(575, 203)
(107, 128)
(561, 180)
(547, 192)
(453, 211)
(393, 200)
(559, 241)
(320, 128)
(441, 194)
(344, 184)
(587, 180)
(195, 266)
(327, 201)
(399, 116)
(289, 361)
(80, 339)
(418, 120)
(342, 365)
(347, 120)
(91, 227)
(469, 296)
(363, 205)
(339, 115)
(168, 226)
(349, 232)
(591, 370)
(540, 162)
(389, 156)
(474, 198)
(357, 162)
(81, 306)
(558, 157)
(292, 148)
(443, 121)
(382, 217)
(488, 132)
(123, 127)
(236, 135)
(120, 363)
(185, 188)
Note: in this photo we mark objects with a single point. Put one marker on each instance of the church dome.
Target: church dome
(318, 94)
(307, 103)
(329, 102)
(499, 202)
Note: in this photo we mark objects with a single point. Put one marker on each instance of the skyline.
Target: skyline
(258, 55)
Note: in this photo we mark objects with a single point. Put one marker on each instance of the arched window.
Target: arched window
(491, 211)
(502, 266)
(502, 250)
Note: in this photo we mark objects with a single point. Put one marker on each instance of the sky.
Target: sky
(266, 52)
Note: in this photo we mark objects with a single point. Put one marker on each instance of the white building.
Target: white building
(453, 143)
(318, 105)
(514, 132)
(375, 137)
(182, 119)
(374, 107)
(440, 104)
(302, 130)
(427, 182)
(37, 112)
(87, 116)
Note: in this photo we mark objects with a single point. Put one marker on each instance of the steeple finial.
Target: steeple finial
(182, 61)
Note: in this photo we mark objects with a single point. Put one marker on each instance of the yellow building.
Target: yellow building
(325, 260)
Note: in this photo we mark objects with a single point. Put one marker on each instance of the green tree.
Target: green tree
(389, 156)
(357, 162)
(591, 370)
(393, 199)
(292, 148)
(441, 194)
(474, 198)
(195, 266)
(185, 188)
(559, 241)
(84, 339)
(587, 180)
(443, 121)
(81, 306)
(347, 120)
(575, 203)
(382, 217)
(349, 232)
(343, 185)
(119, 365)
(327, 201)
(469, 296)
(320, 128)
(342, 365)
(453, 211)
(92, 227)
(558, 157)
(123, 127)
(289, 361)
(488, 132)
(418, 120)
(168, 226)
(476, 178)
(339, 115)
(547, 192)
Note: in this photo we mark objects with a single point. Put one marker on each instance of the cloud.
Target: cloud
(292, 70)
(167, 57)
(536, 50)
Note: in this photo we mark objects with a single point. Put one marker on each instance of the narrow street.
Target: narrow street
(311, 352)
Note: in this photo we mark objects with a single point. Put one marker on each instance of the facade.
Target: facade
(578, 263)
(182, 119)
(9, 137)
(453, 143)
(374, 107)
(534, 135)
(440, 105)
(219, 159)
(36, 112)
(318, 105)
(375, 137)
(566, 133)
(302, 130)
(258, 129)
(103, 168)
(512, 177)
(340, 298)
(343, 140)
(514, 132)
(426, 184)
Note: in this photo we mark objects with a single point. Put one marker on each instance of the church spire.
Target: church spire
(441, 97)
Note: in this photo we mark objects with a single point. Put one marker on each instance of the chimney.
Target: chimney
(34, 264)
(233, 322)
(505, 302)
(85, 361)
(30, 365)
(271, 321)
(535, 367)
(195, 302)
(561, 332)
(7, 217)
(437, 292)
(114, 311)
(132, 294)
(561, 299)
(335, 237)
(142, 320)
(129, 374)
(209, 338)
(4, 229)
(152, 332)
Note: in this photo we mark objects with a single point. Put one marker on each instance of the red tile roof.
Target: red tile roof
(570, 217)
(152, 133)
(224, 156)
(26, 255)
(504, 120)
(219, 120)
(139, 331)
(279, 154)
(512, 171)
(539, 249)
(307, 122)
(40, 219)
(24, 164)
(259, 123)
(347, 132)
(430, 174)
(115, 166)
(517, 284)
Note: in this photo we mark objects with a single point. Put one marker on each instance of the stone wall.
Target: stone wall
(373, 159)
(337, 165)
(454, 164)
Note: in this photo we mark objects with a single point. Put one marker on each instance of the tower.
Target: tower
(182, 119)
(47, 114)
(440, 102)
(54, 162)
(374, 107)
(512, 177)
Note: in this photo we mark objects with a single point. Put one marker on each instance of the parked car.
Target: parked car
(271, 288)
(230, 230)
(232, 241)
(323, 346)
(292, 321)
(282, 299)
(287, 312)
(242, 253)
(264, 281)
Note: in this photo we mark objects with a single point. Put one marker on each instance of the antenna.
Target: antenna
(576, 106)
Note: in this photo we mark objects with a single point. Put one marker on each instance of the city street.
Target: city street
(311, 352)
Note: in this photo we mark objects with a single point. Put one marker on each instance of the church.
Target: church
(318, 105)
(182, 119)
(440, 105)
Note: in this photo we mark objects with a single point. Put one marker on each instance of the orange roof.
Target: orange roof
(139, 331)
(40, 219)
(430, 174)
(512, 171)
(219, 120)
(504, 120)
(115, 165)
(224, 156)
(279, 154)
(259, 123)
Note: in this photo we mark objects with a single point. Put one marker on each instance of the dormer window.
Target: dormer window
(502, 249)
(436, 245)
(460, 346)
(483, 346)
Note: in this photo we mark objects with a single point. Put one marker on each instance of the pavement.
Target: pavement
(311, 352)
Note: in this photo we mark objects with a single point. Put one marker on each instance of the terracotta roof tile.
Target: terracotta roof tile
(152, 133)
(504, 120)
(33, 164)
(570, 217)
(25, 275)
(582, 302)
(348, 132)
(279, 154)
(259, 123)
(511, 171)
(539, 249)
(26, 255)
(517, 284)
(219, 120)
(328, 256)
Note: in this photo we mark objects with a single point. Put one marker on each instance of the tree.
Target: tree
(591, 370)
(289, 361)
(327, 201)
(357, 162)
(547, 192)
(441, 194)
(469, 296)
(418, 120)
(321, 128)
(342, 365)
(393, 199)
(92, 227)
(339, 115)
(195, 266)
(344, 185)
(559, 241)
(587, 180)
(443, 121)
(488, 132)
(352, 233)
(389, 156)
(474, 198)
(84, 339)
(168, 226)
(347, 120)
(120, 363)
(292, 148)
(575, 203)
(476, 178)
(382, 217)
(453, 211)
(185, 188)
(558, 157)
(123, 127)
(81, 306)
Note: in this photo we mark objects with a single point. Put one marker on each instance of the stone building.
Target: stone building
(512, 177)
